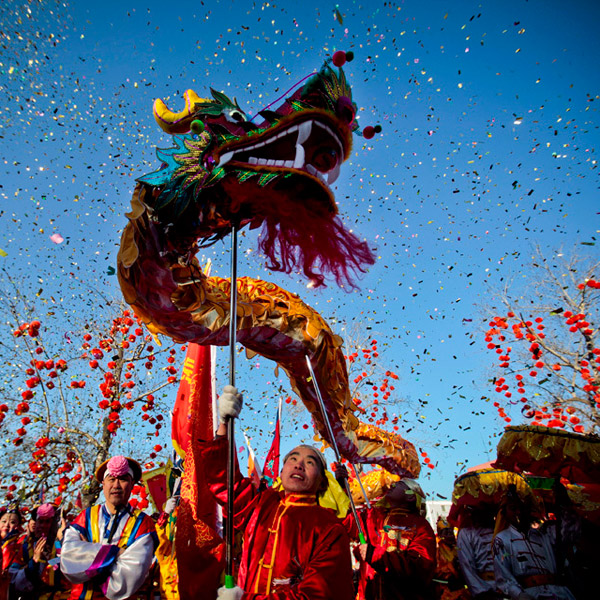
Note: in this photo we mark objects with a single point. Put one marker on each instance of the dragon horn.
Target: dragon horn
(171, 122)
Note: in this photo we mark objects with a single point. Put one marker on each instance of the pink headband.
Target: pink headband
(118, 466)
(46, 510)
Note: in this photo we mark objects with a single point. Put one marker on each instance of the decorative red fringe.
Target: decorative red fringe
(294, 236)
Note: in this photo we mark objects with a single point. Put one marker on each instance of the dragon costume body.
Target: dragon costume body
(224, 170)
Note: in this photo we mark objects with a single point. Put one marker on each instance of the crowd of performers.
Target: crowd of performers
(293, 547)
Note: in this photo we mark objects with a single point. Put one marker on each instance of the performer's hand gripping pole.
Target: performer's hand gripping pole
(361, 532)
(229, 581)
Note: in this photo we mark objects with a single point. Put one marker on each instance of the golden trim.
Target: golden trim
(269, 567)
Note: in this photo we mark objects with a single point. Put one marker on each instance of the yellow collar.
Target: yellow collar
(300, 500)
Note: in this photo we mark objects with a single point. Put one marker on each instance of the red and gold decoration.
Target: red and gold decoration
(485, 487)
(196, 538)
(376, 484)
(550, 452)
(584, 498)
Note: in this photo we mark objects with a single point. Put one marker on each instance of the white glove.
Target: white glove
(170, 505)
(234, 593)
(230, 403)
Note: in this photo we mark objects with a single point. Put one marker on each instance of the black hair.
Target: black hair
(11, 510)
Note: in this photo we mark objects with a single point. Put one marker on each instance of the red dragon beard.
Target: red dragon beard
(316, 242)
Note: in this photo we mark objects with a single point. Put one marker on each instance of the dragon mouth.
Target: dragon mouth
(312, 146)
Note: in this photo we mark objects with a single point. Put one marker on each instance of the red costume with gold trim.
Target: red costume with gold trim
(402, 560)
(293, 548)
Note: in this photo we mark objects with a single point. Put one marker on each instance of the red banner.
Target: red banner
(195, 394)
(199, 547)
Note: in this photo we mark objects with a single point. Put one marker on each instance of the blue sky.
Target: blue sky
(490, 125)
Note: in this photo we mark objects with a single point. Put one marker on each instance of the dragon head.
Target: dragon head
(224, 169)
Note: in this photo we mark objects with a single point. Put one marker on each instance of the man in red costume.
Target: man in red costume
(399, 558)
(293, 548)
(108, 550)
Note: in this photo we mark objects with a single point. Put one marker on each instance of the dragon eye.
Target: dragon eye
(235, 116)
(324, 160)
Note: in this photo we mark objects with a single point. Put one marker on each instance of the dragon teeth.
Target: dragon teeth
(304, 130)
(225, 158)
(333, 135)
(299, 160)
(316, 173)
(268, 162)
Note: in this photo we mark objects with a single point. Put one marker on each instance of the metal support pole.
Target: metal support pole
(229, 581)
(362, 489)
(361, 532)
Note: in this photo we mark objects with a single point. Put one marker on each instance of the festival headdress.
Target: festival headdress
(442, 523)
(118, 466)
(376, 483)
(413, 489)
(46, 510)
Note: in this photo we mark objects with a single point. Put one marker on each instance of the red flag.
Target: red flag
(195, 393)
(271, 468)
(199, 547)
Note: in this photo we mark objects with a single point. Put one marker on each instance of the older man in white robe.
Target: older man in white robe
(108, 549)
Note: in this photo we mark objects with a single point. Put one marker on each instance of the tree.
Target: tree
(373, 387)
(547, 346)
(66, 406)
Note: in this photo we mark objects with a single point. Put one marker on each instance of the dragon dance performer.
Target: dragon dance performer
(34, 570)
(525, 562)
(293, 548)
(108, 550)
(474, 543)
(398, 561)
